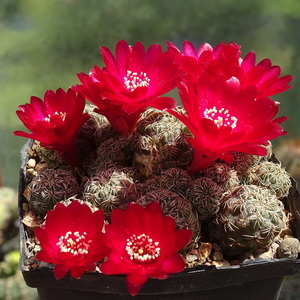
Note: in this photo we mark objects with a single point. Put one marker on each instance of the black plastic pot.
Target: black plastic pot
(256, 279)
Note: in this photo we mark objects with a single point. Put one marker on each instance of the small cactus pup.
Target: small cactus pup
(271, 176)
(49, 187)
(250, 219)
(110, 189)
(205, 196)
(170, 136)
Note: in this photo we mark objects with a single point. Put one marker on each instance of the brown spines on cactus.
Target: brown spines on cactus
(110, 189)
(48, 188)
(103, 133)
(250, 218)
(111, 153)
(242, 162)
(150, 116)
(205, 195)
(222, 174)
(173, 179)
(175, 206)
(177, 154)
(218, 172)
(88, 139)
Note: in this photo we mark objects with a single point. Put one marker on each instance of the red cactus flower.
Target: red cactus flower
(72, 239)
(225, 118)
(130, 83)
(225, 59)
(55, 123)
(144, 243)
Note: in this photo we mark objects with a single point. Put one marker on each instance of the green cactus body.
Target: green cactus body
(250, 218)
(170, 136)
(110, 189)
(48, 188)
(162, 126)
(271, 176)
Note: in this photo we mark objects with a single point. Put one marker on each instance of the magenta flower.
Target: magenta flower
(72, 239)
(225, 59)
(130, 82)
(55, 123)
(225, 118)
(144, 243)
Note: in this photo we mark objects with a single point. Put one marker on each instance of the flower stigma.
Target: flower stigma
(74, 242)
(142, 248)
(133, 80)
(221, 117)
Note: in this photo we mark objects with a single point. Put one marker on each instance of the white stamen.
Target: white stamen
(132, 80)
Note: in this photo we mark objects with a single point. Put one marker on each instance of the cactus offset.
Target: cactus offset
(173, 179)
(223, 175)
(170, 137)
(48, 188)
(272, 176)
(110, 189)
(205, 196)
(250, 218)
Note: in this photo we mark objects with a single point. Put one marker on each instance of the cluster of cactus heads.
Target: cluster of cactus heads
(49, 187)
(238, 205)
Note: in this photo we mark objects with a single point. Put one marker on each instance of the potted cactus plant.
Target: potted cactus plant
(133, 185)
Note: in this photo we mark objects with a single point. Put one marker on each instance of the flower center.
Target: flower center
(61, 114)
(132, 80)
(142, 248)
(74, 242)
(221, 117)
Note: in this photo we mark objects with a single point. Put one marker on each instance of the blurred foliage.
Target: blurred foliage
(45, 43)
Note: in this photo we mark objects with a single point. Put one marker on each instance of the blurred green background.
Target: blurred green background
(45, 43)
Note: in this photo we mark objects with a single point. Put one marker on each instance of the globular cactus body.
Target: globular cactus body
(48, 188)
(250, 218)
(110, 189)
